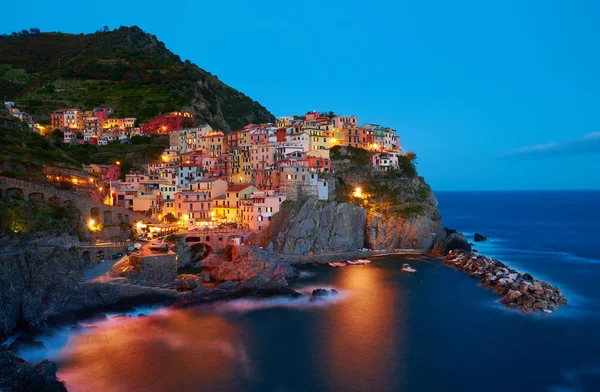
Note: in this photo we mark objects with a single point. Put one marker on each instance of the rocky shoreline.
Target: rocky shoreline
(519, 290)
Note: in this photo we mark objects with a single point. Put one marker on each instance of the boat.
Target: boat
(137, 246)
(159, 247)
(408, 268)
(337, 264)
(351, 262)
(362, 261)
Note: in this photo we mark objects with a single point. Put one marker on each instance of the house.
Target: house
(67, 118)
(167, 122)
(212, 186)
(228, 207)
(299, 183)
(258, 210)
(188, 173)
(193, 207)
(107, 173)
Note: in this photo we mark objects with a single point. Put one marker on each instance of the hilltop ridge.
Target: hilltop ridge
(126, 68)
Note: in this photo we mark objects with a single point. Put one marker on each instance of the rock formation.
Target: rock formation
(479, 238)
(18, 375)
(520, 291)
(255, 267)
(315, 226)
(41, 278)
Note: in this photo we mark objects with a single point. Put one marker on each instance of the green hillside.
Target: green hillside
(126, 69)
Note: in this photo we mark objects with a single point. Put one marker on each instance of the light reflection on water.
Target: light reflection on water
(226, 346)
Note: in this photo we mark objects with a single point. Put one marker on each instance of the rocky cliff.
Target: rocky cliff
(393, 214)
(315, 226)
(40, 278)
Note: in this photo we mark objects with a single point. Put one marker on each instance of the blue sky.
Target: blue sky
(489, 94)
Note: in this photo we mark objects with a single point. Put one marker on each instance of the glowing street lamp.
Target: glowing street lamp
(358, 192)
(118, 163)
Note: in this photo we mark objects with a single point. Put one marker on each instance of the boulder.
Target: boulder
(457, 241)
(250, 263)
(25, 342)
(18, 375)
(205, 276)
(479, 238)
(318, 294)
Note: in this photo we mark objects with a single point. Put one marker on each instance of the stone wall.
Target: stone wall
(80, 199)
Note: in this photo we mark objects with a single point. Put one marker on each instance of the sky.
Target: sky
(491, 95)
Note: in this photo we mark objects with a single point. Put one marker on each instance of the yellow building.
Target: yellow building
(319, 142)
(213, 144)
(226, 208)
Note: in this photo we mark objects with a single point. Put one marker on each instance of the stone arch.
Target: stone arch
(54, 201)
(15, 193)
(100, 256)
(107, 217)
(36, 198)
(120, 217)
(86, 258)
(95, 213)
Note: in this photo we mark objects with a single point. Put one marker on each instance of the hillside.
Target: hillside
(127, 69)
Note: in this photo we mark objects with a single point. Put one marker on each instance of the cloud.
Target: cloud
(586, 145)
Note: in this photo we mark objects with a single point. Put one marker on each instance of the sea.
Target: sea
(436, 330)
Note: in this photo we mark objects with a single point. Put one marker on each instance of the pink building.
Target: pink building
(107, 172)
(385, 161)
(258, 210)
(312, 116)
(193, 207)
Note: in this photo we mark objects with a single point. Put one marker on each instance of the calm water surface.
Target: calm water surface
(387, 331)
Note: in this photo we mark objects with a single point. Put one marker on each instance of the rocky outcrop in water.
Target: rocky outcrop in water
(255, 267)
(451, 240)
(479, 238)
(319, 294)
(520, 291)
(18, 375)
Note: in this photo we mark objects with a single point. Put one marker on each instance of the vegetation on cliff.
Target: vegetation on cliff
(24, 153)
(126, 69)
(399, 191)
(19, 217)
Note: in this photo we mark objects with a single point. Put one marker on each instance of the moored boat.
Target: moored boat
(408, 268)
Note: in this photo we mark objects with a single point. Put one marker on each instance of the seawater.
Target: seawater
(436, 330)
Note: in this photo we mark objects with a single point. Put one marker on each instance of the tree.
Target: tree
(125, 168)
(57, 136)
(170, 218)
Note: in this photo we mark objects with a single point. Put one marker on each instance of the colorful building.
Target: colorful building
(168, 122)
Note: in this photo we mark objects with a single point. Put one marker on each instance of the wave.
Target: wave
(304, 302)
(306, 274)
